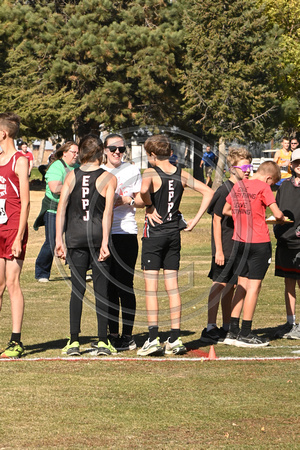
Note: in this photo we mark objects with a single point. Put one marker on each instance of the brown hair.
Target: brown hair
(270, 168)
(159, 145)
(11, 123)
(235, 155)
(90, 149)
(63, 149)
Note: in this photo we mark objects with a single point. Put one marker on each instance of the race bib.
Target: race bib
(3, 216)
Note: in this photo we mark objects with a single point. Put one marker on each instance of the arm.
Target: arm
(206, 192)
(22, 172)
(61, 214)
(219, 256)
(146, 189)
(276, 156)
(55, 186)
(109, 193)
(127, 200)
(227, 211)
(277, 213)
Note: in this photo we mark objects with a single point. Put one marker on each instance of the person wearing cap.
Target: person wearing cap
(28, 155)
(287, 259)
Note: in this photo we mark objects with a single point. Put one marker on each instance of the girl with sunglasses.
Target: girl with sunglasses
(124, 243)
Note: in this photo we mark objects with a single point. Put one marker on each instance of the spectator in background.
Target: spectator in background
(28, 155)
(294, 144)
(208, 159)
(283, 157)
(66, 158)
(173, 159)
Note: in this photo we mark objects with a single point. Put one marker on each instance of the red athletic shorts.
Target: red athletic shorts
(7, 239)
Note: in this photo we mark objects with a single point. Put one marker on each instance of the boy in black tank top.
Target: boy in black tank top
(85, 209)
(161, 191)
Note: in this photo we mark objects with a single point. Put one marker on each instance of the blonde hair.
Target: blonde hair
(236, 154)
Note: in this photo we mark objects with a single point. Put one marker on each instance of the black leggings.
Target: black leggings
(124, 251)
(80, 260)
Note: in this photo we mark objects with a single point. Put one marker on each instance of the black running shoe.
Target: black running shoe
(125, 343)
(251, 341)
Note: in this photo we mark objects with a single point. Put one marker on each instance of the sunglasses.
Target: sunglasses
(244, 167)
(294, 143)
(113, 148)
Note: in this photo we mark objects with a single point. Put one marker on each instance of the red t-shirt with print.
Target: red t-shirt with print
(249, 200)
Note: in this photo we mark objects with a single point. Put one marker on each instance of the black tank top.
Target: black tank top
(85, 211)
(166, 201)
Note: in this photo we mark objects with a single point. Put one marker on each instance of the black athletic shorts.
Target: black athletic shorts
(161, 252)
(252, 260)
(287, 262)
(223, 274)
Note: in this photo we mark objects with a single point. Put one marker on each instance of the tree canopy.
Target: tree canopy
(225, 68)
(232, 68)
(90, 62)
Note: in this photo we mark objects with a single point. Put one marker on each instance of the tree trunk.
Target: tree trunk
(40, 156)
(221, 164)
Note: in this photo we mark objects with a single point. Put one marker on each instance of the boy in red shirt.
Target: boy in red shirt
(14, 210)
(247, 203)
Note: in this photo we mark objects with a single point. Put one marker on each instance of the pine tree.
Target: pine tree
(79, 64)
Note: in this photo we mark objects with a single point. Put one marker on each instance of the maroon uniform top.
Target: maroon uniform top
(10, 203)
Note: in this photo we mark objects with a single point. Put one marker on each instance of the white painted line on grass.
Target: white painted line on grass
(156, 359)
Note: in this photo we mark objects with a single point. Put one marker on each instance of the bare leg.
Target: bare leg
(13, 271)
(171, 285)
(151, 286)
(290, 296)
(2, 280)
(238, 298)
(253, 289)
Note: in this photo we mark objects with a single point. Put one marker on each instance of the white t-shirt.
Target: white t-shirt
(129, 182)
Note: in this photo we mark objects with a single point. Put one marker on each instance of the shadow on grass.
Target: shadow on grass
(139, 338)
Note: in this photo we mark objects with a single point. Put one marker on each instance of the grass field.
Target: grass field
(127, 403)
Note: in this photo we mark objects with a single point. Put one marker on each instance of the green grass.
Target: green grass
(141, 404)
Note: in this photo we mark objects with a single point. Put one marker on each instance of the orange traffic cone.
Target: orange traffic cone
(212, 353)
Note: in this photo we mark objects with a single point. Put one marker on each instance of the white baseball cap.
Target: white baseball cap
(296, 154)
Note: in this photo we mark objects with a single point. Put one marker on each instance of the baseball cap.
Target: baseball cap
(19, 142)
(296, 154)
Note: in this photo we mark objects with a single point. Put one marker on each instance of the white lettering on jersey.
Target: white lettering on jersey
(171, 194)
(84, 193)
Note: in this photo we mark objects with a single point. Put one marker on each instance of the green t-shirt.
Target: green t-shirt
(56, 172)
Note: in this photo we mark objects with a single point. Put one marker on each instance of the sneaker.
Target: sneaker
(13, 350)
(251, 341)
(213, 336)
(43, 280)
(175, 348)
(151, 348)
(105, 349)
(114, 340)
(230, 338)
(71, 349)
(294, 333)
(283, 331)
(125, 343)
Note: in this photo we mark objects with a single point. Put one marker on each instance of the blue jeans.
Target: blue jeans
(44, 260)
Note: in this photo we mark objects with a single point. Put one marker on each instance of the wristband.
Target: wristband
(132, 201)
(149, 206)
